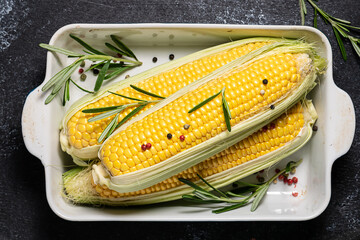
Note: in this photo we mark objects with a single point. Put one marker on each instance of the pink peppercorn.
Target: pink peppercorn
(277, 170)
(285, 180)
(295, 179)
(148, 145)
(143, 147)
(81, 70)
(295, 194)
(182, 138)
(289, 182)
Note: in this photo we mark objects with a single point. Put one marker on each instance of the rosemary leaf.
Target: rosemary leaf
(288, 167)
(101, 76)
(241, 190)
(55, 78)
(215, 189)
(259, 196)
(50, 98)
(131, 98)
(355, 46)
(66, 96)
(205, 196)
(65, 77)
(146, 92)
(106, 114)
(87, 46)
(231, 194)
(68, 89)
(225, 102)
(341, 30)
(349, 26)
(60, 50)
(227, 117)
(191, 184)
(191, 198)
(340, 20)
(115, 49)
(132, 113)
(203, 102)
(98, 110)
(88, 52)
(112, 66)
(122, 46)
(117, 72)
(231, 207)
(82, 89)
(95, 66)
(113, 126)
(304, 6)
(340, 43)
(302, 14)
(108, 128)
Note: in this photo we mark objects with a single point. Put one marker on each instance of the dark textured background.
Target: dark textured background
(24, 211)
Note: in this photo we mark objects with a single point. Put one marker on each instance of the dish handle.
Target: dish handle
(342, 119)
(33, 123)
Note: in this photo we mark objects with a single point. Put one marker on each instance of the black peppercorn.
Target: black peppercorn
(171, 56)
(96, 71)
(265, 81)
(154, 59)
(272, 107)
(169, 136)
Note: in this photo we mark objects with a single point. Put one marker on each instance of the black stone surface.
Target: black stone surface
(24, 211)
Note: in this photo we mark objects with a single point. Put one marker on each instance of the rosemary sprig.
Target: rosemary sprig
(341, 27)
(255, 192)
(112, 110)
(109, 128)
(224, 104)
(132, 113)
(66, 96)
(197, 106)
(226, 110)
(101, 76)
(87, 46)
(82, 89)
(120, 95)
(110, 67)
(125, 50)
(146, 92)
(117, 72)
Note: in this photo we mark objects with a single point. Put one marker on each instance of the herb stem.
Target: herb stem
(257, 192)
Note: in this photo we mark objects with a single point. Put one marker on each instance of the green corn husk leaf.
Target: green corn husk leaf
(148, 176)
(91, 151)
(79, 189)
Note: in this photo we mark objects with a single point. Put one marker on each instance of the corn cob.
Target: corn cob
(258, 151)
(79, 137)
(289, 72)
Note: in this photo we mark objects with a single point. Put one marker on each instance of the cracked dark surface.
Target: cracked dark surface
(24, 211)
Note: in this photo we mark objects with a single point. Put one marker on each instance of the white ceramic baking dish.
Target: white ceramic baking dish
(336, 123)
